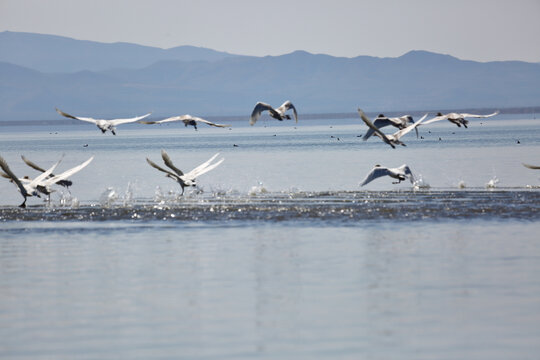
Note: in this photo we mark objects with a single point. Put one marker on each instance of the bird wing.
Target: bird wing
(167, 160)
(402, 120)
(437, 118)
(203, 168)
(377, 172)
(41, 177)
(396, 121)
(286, 106)
(198, 119)
(185, 118)
(116, 122)
(87, 119)
(31, 164)
(409, 119)
(534, 167)
(154, 165)
(407, 171)
(374, 128)
(378, 123)
(67, 173)
(257, 111)
(398, 134)
(479, 116)
(11, 175)
(169, 119)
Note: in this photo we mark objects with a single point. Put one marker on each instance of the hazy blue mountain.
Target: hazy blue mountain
(233, 84)
(51, 53)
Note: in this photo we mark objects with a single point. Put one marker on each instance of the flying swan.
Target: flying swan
(187, 120)
(42, 183)
(401, 173)
(29, 188)
(187, 179)
(65, 183)
(104, 125)
(393, 139)
(458, 118)
(399, 122)
(278, 113)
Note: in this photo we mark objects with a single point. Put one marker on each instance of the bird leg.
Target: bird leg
(23, 205)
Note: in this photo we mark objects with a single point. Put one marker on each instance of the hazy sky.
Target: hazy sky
(482, 30)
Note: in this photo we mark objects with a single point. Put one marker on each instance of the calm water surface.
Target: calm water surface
(280, 254)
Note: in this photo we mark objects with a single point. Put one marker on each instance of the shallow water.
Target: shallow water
(279, 253)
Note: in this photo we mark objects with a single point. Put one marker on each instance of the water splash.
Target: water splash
(325, 207)
(108, 197)
(158, 194)
(256, 190)
(420, 183)
(129, 194)
(67, 200)
(492, 184)
(461, 184)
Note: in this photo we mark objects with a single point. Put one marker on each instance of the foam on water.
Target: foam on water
(421, 203)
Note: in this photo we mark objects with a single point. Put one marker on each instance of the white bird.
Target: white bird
(65, 183)
(187, 120)
(30, 187)
(104, 125)
(45, 184)
(401, 173)
(381, 121)
(458, 118)
(393, 139)
(278, 113)
(187, 179)
(534, 167)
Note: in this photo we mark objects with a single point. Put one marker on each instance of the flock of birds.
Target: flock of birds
(42, 184)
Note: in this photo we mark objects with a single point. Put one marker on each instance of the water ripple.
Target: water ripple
(309, 206)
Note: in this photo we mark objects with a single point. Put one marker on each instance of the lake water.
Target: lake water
(279, 253)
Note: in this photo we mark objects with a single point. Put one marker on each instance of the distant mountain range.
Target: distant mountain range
(41, 72)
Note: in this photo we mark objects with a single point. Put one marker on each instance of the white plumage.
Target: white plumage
(381, 121)
(187, 120)
(278, 114)
(401, 173)
(393, 139)
(457, 118)
(102, 124)
(189, 178)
